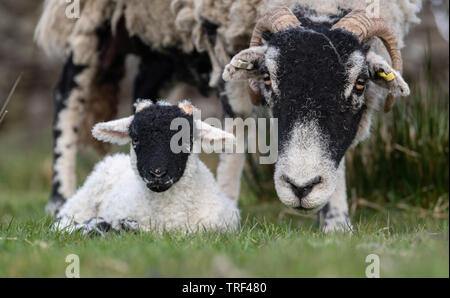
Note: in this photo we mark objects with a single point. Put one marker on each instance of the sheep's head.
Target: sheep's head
(315, 82)
(151, 133)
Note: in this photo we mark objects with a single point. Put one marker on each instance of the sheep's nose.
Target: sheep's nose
(158, 172)
(304, 190)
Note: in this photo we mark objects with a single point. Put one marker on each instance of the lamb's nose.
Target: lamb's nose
(158, 172)
(304, 190)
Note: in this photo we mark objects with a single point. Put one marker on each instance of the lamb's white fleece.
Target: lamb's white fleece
(115, 192)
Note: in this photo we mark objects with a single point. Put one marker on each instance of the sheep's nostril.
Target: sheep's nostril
(304, 190)
(158, 173)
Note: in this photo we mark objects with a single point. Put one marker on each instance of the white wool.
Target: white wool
(114, 192)
(305, 148)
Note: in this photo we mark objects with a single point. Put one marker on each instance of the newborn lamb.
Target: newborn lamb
(152, 188)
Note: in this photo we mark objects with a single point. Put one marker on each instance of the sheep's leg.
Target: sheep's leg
(229, 173)
(126, 225)
(335, 213)
(69, 101)
(236, 103)
(96, 226)
(87, 93)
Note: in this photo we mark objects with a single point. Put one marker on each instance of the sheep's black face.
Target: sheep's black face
(150, 133)
(314, 83)
(317, 78)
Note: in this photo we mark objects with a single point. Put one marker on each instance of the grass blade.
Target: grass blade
(3, 110)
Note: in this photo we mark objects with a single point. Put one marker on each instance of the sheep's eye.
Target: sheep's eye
(135, 142)
(360, 86)
(267, 80)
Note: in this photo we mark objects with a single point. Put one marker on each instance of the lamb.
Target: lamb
(322, 67)
(152, 188)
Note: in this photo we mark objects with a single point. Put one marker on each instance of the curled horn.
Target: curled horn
(276, 20)
(358, 23)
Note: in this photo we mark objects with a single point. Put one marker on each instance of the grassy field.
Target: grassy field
(271, 244)
(398, 193)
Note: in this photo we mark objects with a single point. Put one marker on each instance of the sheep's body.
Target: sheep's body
(162, 24)
(114, 193)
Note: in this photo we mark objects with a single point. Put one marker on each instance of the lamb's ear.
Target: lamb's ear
(244, 65)
(187, 107)
(115, 132)
(385, 76)
(211, 134)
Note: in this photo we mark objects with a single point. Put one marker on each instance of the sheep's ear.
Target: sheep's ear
(115, 132)
(244, 65)
(187, 107)
(211, 134)
(384, 75)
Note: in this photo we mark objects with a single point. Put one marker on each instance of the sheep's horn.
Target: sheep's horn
(364, 27)
(278, 19)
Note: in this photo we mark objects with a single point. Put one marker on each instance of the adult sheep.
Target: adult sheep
(315, 64)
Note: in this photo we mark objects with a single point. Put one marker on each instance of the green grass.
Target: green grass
(267, 246)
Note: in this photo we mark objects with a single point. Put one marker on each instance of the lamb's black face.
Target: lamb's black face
(314, 84)
(150, 133)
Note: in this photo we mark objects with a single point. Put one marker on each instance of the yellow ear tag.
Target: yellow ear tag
(387, 77)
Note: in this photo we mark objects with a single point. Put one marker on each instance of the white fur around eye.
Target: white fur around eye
(272, 65)
(356, 64)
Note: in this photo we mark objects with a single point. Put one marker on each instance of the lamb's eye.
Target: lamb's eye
(267, 80)
(135, 142)
(360, 86)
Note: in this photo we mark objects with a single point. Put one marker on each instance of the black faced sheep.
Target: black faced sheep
(152, 188)
(320, 79)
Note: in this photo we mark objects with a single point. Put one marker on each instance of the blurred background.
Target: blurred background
(404, 164)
